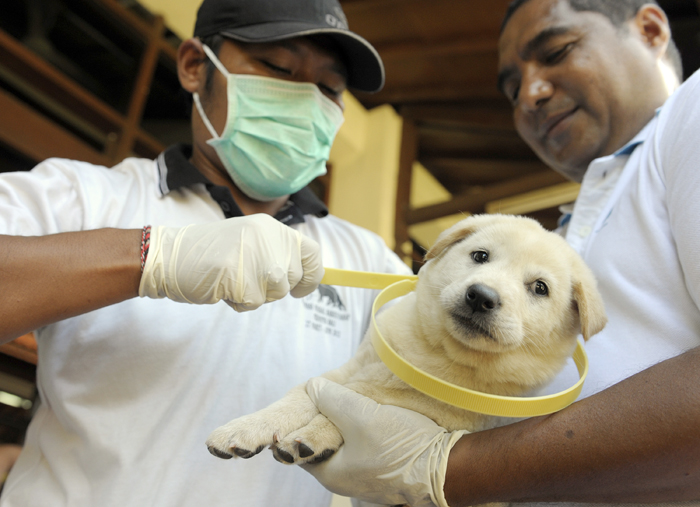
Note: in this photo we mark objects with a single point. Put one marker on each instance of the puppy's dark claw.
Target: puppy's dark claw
(245, 453)
(283, 456)
(305, 451)
(219, 454)
(322, 457)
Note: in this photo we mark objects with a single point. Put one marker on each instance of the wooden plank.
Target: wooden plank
(409, 152)
(429, 93)
(471, 171)
(536, 200)
(494, 114)
(142, 87)
(38, 138)
(474, 201)
(47, 79)
(136, 25)
(419, 49)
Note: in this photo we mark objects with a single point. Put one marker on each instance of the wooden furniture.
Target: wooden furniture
(86, 79)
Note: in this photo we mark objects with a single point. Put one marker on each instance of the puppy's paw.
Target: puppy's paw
(243, 437)
(314, 443)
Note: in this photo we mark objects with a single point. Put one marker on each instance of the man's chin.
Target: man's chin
(571, 166)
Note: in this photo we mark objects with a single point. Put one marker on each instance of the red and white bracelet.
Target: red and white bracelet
(145, 244)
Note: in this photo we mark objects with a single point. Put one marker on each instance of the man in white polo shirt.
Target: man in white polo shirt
(589, 81)
(130, 388)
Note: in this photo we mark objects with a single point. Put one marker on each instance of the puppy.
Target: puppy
(497, 308)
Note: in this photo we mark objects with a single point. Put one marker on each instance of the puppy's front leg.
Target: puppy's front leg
(313, 443)
(248, 435)
(292, 426)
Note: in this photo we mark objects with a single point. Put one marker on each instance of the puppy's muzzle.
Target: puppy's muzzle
(482, 298)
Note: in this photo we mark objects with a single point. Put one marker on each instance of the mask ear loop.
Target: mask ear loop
(195, 96)
(203, 116)
(215, 60)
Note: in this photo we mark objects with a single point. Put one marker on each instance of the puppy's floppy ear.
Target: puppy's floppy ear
(458, 232)
(587, 300)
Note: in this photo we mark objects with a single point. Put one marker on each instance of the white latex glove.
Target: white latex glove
(391, 456)
(245, 261)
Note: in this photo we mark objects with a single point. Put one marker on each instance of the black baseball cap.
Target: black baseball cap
(273, 20)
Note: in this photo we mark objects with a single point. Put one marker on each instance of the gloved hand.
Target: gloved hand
(244, 261)
(391, 456)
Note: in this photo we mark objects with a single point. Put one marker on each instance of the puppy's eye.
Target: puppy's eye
(541, 288)
(480, 257)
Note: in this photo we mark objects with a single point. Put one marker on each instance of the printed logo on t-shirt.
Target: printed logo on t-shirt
(328, 313)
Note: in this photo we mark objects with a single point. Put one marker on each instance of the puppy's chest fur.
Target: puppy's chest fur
(368, 375)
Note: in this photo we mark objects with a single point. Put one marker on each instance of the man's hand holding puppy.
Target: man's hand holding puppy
(411, 451)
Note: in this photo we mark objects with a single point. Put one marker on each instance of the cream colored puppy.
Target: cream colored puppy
(497, 308)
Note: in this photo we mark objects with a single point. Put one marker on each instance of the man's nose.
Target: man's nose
(535, 90)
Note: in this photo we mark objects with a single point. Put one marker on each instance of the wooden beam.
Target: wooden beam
(45, 79)
(38, 138)
(431, 93)
(136, 25)
(517, 166)
(409, 151)
(530, 202)
(142, 87)
(421, 49)
(463, 172)
(493, 114)
(474, 200)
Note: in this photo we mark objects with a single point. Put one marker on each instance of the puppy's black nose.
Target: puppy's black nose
(482, 298)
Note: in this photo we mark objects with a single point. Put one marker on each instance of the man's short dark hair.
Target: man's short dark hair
(619, 12)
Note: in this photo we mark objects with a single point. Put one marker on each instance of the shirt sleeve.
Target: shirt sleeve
(45, 200)
(678, 152)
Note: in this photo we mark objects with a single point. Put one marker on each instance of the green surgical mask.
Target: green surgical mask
(278, 133)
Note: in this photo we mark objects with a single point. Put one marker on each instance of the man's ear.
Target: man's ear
(191, 68)
(652, 25)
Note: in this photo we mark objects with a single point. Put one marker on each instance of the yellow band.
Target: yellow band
(483, 403)
(363, 279)
(504, 406)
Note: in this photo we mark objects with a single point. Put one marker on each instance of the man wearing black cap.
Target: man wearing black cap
(130, 388)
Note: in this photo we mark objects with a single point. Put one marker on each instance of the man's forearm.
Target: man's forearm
(638, 441)
(50, 278)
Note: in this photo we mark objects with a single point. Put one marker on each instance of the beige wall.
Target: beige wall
(426, 191)
(179, 16)
(365, 162)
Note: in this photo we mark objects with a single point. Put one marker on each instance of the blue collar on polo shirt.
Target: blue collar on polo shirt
(175, 171)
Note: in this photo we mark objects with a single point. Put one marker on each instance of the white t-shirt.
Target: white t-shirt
(129, 393)
(636, 223)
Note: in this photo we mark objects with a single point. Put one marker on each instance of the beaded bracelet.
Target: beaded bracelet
(145, 244)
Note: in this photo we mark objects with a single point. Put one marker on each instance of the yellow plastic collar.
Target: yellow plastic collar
(396, 286)
(362, 279)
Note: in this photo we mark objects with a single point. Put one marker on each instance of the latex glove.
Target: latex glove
(391, 456)
(245, 261)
